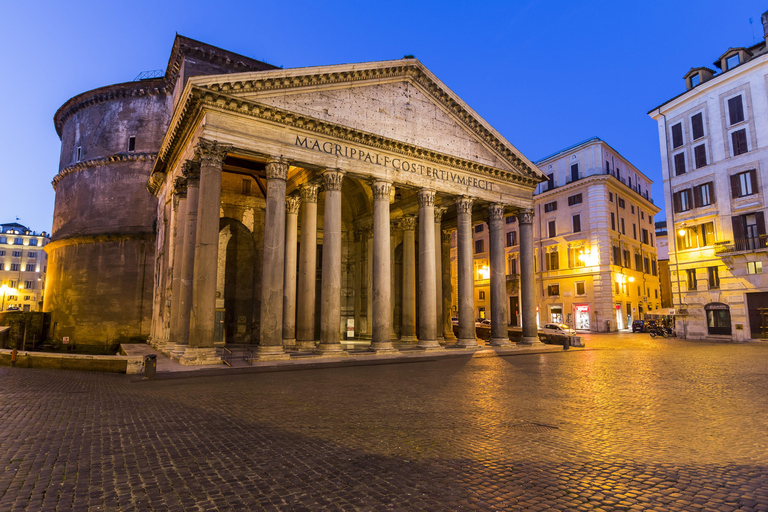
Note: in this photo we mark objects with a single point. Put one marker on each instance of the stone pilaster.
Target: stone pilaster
(272, 276)
(439, 211)
(292, 205)
(393, 227)
(499, 330)
(450, 337)
(408, 318)
(330, 308)
(467, 334)
(427, 274)
(201, 348)
(180, 198)
(527, 290)
(305, 308)
(382, 299)
(191, 172)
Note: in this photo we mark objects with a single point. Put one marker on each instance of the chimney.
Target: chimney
(764, 19)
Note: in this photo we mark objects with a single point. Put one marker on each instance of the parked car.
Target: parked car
(560, 329)
(13, 308)
(638, 326)
(454, 320)
(480, 322)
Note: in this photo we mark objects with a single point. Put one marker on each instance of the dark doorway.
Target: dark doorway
(757, 305)
(514, 312)
(718, 318)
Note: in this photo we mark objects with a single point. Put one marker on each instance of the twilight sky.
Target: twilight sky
(546, 74)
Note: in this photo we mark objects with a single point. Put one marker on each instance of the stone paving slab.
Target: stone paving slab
(636, 424)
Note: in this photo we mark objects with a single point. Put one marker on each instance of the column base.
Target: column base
(270, 353)
(501, 342)
(530, 341)
(330, 350)
(429, 345)
(305, 345)
(382, 347)
(194, 356)
(467, 343)
(409, 339)
(177, 351)
(290, 344)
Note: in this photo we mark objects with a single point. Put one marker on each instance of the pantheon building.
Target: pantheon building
(230, 201)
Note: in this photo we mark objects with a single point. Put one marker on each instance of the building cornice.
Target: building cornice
(147, 236)
(98, 162)
(619, 187)
(153, 87)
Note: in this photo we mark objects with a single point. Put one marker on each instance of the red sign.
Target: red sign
(582, 309)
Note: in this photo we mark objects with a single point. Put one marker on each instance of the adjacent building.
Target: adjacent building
(714, 154)
(23, 264)
(594, 249)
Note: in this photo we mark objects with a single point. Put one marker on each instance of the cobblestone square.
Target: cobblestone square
(630, 423)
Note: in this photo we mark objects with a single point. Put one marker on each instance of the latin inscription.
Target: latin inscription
(398, 164)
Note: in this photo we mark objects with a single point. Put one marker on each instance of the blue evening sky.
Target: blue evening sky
(545, 74)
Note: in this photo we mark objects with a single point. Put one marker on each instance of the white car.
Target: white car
(483, 323)
(561, 329)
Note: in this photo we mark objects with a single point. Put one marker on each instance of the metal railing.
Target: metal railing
(742, 245)
(146, 75)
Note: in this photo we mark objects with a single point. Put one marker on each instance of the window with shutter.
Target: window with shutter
(739, 142)
(576, 223)
(679, 164)
(700, 155)
(613, 221)
(574, 172)
(551, 229)
(697, 126)
(677, 135)
(735, 110)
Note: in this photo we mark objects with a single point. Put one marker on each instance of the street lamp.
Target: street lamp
(6, 291)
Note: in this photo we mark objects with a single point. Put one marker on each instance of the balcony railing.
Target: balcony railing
(742, 245)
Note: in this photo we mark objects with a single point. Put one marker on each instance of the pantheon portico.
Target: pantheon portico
(295, 204)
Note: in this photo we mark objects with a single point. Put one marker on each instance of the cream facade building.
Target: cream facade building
(23, 263)
(595, 254)
(714, 154)
(286, 207)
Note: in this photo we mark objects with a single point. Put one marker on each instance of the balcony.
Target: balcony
(750, 244)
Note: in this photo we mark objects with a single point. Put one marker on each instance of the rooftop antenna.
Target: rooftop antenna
(752, 26)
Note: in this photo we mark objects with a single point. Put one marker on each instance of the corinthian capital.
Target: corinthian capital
(309, 192)
(191, 171)
(464, 204)
(180, 186)
(525, 217)
(445, 237)
(439, 211)
(211, 152)
(426, 197)
(381, 189)
(277, 169)
(408, 223)
(332, 179)
(496, 211)
(292, 204)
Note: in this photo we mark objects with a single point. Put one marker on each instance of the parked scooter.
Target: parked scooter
(657, 330)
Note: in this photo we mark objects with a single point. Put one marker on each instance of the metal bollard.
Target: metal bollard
(150, 366)
(566, 342)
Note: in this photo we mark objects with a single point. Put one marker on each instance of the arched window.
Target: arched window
(718, 318)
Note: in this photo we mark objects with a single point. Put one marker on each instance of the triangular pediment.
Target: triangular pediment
(400, 100)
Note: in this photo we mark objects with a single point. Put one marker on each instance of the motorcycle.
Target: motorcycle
(657, 330)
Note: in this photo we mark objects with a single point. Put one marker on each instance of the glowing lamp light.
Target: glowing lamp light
(484, 272)
(681, 232)
(631, 279)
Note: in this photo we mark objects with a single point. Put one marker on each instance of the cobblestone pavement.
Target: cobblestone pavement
(629, 424)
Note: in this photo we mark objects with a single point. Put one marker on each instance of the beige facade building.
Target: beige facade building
(286, 207)
(714, 149)
(23, 263)
(595, 254)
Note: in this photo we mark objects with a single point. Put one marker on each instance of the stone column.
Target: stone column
(201, 348)
(467, 334)
(273, 261)
(408, 318)
(191, 171)
(180, 197)
(439, 211)
(427, 275)
(450, 337)
(368, 281)
(393, 226)
(499, 331)
(330, 307)
(292, 205)
(305, 308)
(382, 284)
(527, 278)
